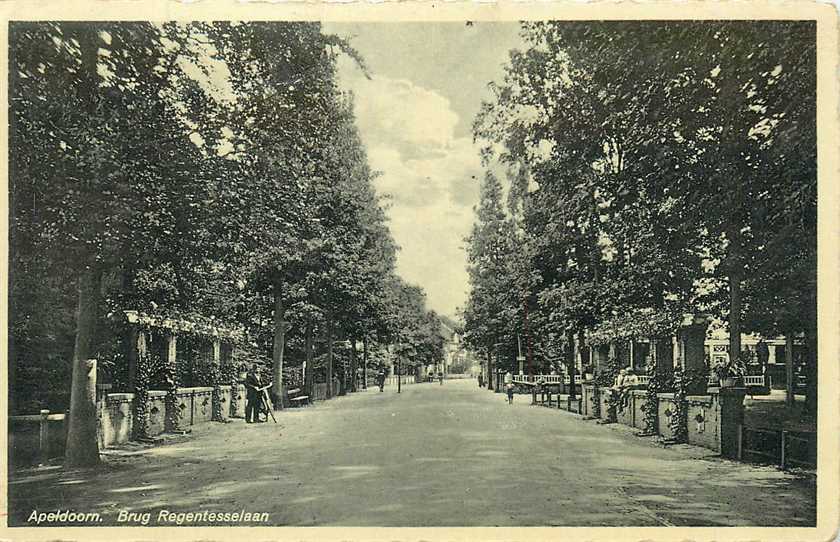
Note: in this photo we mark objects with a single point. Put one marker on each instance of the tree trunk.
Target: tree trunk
(596, 249)
(364, 361)
(82, 447)
(735, 272)
(789, 397)
(329, 356)
(570, 362)
(353, 368)
(528, 339)
(279, 345)
(489, 370)
(307, 374)
(811, 357)
(582, 348)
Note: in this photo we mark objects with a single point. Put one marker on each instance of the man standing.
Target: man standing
(252, 395)
(509, 386)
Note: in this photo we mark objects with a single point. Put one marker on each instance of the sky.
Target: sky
(415, 117)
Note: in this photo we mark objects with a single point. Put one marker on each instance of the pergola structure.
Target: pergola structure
(220, 340)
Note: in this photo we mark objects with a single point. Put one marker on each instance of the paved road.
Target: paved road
(430, 456)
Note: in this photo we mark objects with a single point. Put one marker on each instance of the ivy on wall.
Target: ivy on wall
(173, 415)
(660, 382)
(149, 369)
(679, 419)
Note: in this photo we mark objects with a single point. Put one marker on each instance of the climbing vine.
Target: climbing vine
(149, 368)
(173, 414)
(679, 418)
(660, 382)
(606, 376)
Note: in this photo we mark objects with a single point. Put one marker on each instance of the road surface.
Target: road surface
(431, 456)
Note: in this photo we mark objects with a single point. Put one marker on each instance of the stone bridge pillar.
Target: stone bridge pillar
(691, 336)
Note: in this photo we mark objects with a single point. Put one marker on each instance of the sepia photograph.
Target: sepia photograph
(485, 272)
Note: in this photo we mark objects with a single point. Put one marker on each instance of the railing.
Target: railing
(786, 448)
(755, 380)
(547, 379)
(749, 381)
(641, 380)
(391, 380)
(36, 438)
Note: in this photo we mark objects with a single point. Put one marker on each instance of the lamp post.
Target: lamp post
(399, 367)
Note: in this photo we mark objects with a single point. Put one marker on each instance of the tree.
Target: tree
(489, 316)
(635, 206)
(80, 200)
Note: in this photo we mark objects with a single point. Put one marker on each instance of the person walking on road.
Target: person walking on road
(380, 379)
(440, 377)
(509, 387)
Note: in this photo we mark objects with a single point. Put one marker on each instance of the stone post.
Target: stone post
(171, 420)
(691, 336)
(731, 417)
(133, 345)
(43, 437)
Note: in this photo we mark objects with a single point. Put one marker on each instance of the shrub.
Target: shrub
(607, 375)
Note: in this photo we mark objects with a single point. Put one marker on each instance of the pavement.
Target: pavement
(451, 455)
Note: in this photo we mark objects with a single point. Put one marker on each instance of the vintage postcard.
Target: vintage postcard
(419, 271)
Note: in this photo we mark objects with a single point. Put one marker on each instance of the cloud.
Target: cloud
(430, 174)
(410, 118)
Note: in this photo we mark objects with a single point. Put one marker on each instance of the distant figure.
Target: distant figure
(440, 377)
(253, 398)
(480, 380)
(380, 379)
(509, 386)
(623, 381)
